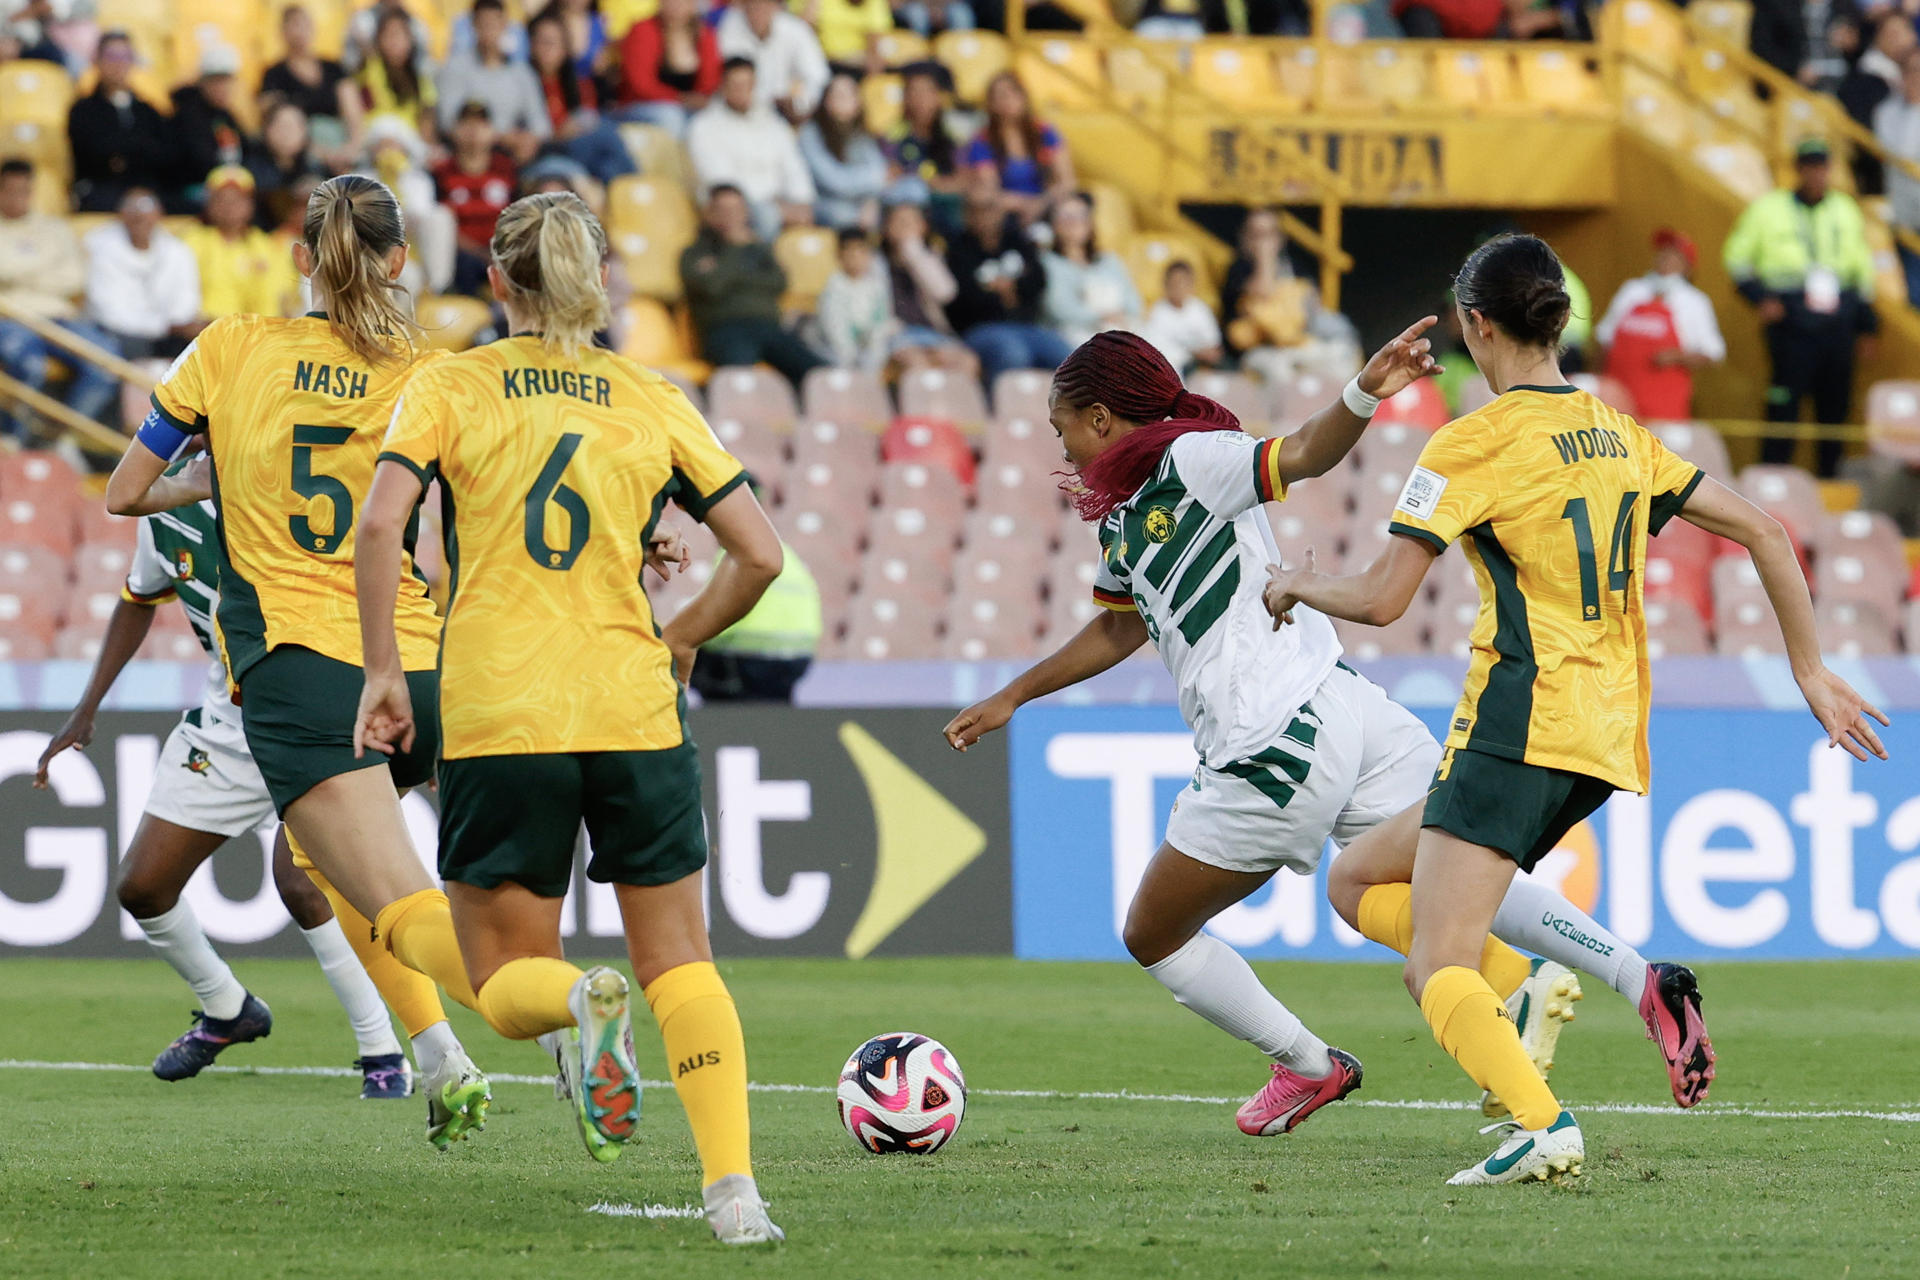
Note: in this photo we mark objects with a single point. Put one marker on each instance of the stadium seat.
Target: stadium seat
(1367, 537)
(1420, 404)
(933, 441)
(752, 394)
(1709, 72)
(1391, 447)
(807, 255)
(1061, 72)
(1729, 21)
(853, 454)
(760, 450)
(1022, 393)
(883, 627)
(1842, 578)
(1314, 515)
(900, 46)
(1747, 629)
(913, 572)
(1368, 77)
(1241, 74)
(1654, 31)
(1675, 630)
(1026, 441)
(171, 646)
(49, 522)
(997, 534)
(1699, 444)
(452, 322)
(1138, 77)
(1893, 420)
(1608, 391)
(33, 92)
(657, 153)
(653, 205)
(853, 396)
(1030, 495)
(1296, 401)
(1476, 81)
(89, 604)
(77, 644)
(1244, 397)
(39, 475)
(1852, 630)
(1147, 255)
(880, 97)
(25, 646)
(914, 485)
(935, 393)
(1065, 615)
(655, 338)
(1655, 108)
(1671, 579)
(1557, 80)
(826, 541)
(1869, 535)
(1788, 494)
(1070, 571)
(1741, 166)
(974, 58)
(1403, 638)
(98, 564)
(32, 608)
(981, 628)
(830, 487)
(29, 567)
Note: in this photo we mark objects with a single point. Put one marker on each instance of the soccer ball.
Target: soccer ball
(902, 1092)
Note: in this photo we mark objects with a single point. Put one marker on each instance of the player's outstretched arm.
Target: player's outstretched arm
(1376, 597)
(1330, 434)
(1842, 712)
(1102, 643)
(754, 559)
(386, 707)
(127, 629)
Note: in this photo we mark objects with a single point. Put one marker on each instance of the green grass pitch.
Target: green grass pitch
(236, 1174)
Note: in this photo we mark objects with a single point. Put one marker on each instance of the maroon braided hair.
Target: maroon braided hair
(1126, 373)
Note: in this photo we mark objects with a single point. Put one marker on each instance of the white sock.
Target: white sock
(372, 1028)
(1534, 918)
(177, 936)
(1210, 978)
(433, 1047)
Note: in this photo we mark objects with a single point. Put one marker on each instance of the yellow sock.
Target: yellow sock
(707, 1058)
(412, 996)
(1471, 1023)
(1386, 916)
(528, 997)
(418, 929)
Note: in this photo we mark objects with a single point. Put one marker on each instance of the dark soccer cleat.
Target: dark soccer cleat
(195, 1051)
(385, 1075)
(1670, 1006)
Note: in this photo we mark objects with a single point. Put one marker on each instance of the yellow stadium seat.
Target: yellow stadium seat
(1800, 116)
(658, 207)
(1399, 76)
(123, 14)
(1240, 73)
(1560, 80)
(1739, 116)
(1655, 108)
(1730, 20)
(1471, 79)
(451, 322)
(1739, 165)
(1061, 73)
(881, 96)
(808, 256)
(899, 47)
(34, 93)
(1709, 72)
(1296, 71)
(974, 58)
(46, 146)
(1372, 77)
(1650, 28)
(657, 152)
(1113, 223)
(651, 261)
(657, 339)
(1137, 76)
(1148, 254)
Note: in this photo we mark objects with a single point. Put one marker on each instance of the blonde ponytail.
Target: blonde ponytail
(549, 248)
(352, 224)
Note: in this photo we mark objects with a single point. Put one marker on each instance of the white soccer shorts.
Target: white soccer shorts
(1352, 758)
(206, 779)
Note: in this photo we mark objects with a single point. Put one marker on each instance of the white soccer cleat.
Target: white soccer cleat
(1539, 1009)
(737, 1214)
(1555, 1151)
(597, 1074)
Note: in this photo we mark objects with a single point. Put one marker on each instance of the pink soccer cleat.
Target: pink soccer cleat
(1290, 1097)
(1670, 1006)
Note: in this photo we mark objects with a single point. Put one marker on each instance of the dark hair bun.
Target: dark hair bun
(1517, 282)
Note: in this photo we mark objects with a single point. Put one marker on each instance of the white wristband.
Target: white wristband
(1358, 402)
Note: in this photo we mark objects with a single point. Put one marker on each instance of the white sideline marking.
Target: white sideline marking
(647, 1210)
(1063, 1095)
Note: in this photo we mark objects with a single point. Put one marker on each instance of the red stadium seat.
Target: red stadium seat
(985, 627)
(825, 486)
(827, 543)
(883, 627)
(1367, 537)
(1848, 578)
(1294, 402)
(99, 564)
(1893, 421)
(1030, 496)
(77, 644)
(1420, 405)
(930, 534)
(47, 520)
(30, 567)
(1788, 494)
(1022, 393)
(97, 525)
(1608, 391)
(1406, 637)
(1699, 444)
(1245, 398)
(1028, 442)
(854, 454)
(1450, 626)
(25, 646)
(756, 396)
(1070, 572)
(35, 474)
(1066, 614)
(1392, 446)
(1851, 630)
(164, 645)
(1675, 630)
(998, 534)
(1314, 515)
(933, 441)
(1746, 626)
(91, 605)
(1869, 536)
(930, 489)
(853, 396)
(760, 451)
(935, 393)
(35, 608)
(1911, 627)
(1474, 394)
(688, 387)
(1670, 579)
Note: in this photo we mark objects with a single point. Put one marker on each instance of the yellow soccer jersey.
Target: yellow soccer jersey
(1555, 495)
(554, 473)
(294, 420)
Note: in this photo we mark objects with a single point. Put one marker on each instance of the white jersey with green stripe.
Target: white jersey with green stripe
(1190, 552)
(178, 557)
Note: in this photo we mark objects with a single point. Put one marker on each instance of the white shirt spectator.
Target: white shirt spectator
(755, 151)
(1693, 320)
(140, 293)
(511, 91)
(1180, 331)
(788, 64)
(1896, 122)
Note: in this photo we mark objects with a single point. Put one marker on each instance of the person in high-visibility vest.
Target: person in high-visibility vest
(1801, 257)
(762, 657)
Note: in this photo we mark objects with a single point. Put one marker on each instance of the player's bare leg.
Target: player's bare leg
(1176, 898)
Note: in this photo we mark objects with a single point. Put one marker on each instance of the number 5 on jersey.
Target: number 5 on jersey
(548, 489)
(310, 484)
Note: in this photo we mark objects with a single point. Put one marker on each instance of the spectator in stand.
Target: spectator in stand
(734, 285)
(922, 286)
(206, 132)
(1275, 322)
(999, 282)
(511, 91)
(476, 182)
(1016, 158)
(143, 285)
(320, 87)
(42, 271)
(857, 326)
(281, 159)
(593, 50)
(395, 78)
(1897, 125)
(783, 49)
(929, 18)
(1777, 34)
(27, 40)
(243, 270)
(850, 31)
(922, 156)
(1876, 76)
(1801, 257)
(460, 38)
(119, 141)
(1183, 327)
(397, 157)
(1476, 19)
(1659, 330)
(669, 66)
(1087, 290)
(848, 168)
(739, 142)
(573, 101)
(363, 32)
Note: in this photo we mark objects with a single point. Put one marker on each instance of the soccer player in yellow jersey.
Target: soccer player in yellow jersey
(563, 704)
(1554, 495)
(294, 411)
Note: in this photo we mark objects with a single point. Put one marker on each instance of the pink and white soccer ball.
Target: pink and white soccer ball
(902, 1092)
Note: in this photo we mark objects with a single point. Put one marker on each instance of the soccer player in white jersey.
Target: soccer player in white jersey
(1295, 746)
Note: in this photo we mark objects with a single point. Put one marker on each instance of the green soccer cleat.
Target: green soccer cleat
(597, 1073)
(457, 1100)
(1540, 1009)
